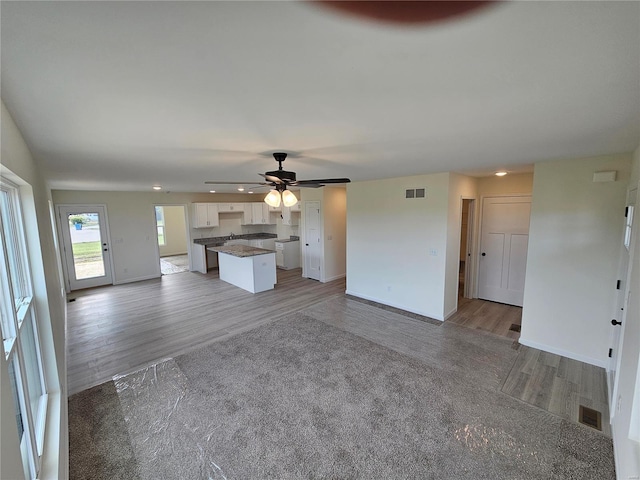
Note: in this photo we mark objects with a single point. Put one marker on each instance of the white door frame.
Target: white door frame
(108, 262)
(621, 301)
(187, 226)
(305, 241)
(469, 264)
(478, 243)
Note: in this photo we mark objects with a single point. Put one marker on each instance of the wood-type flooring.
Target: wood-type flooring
(118, 329)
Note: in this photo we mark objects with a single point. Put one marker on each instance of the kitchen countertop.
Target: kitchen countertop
(287, 240)
(215, 241)
(240, 250)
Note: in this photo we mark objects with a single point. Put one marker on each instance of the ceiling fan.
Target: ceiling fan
(281, 179)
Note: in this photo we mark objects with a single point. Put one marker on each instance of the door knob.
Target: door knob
(484, 254)
(614, 322)
(307, 244)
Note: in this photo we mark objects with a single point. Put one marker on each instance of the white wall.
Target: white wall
(389, 239)
(333, 212)
(460, 187)
(626, 421)
(521, 183)
(175, 231)
(574, 242)
(51, 307)
(132, 225)
(335, 233)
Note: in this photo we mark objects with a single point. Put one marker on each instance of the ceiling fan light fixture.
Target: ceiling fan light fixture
(273, 199)
(501, 173)
(288, 198)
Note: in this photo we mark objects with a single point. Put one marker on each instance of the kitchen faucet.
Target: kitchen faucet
(231, 235)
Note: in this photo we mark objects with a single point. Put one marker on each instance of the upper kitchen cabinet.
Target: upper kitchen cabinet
(276, 209)
(291, 216)
(256, 213)
(259, 213)
(205, 215)
(231, 207)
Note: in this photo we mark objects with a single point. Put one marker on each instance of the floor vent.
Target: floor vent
(590, 417)
(514, 327)
(72, 300)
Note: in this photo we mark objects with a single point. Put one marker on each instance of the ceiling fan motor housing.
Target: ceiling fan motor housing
(283, 175)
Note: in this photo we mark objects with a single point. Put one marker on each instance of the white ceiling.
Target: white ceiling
(123, 95)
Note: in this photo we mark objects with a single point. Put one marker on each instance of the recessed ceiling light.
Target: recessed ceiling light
(212, 191)
(157, 187)
(501, 174)
(250, 192)
(241, 189)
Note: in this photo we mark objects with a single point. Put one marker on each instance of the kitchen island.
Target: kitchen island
(250, 268)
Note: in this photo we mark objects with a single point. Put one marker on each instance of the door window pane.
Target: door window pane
(86, 243)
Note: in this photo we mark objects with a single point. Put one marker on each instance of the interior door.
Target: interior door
(85, 245)
(503, 249)
(619, 315)
(313, 250)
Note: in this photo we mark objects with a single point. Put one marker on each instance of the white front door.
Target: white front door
(312, 247)
(85, 245)
(503, 249)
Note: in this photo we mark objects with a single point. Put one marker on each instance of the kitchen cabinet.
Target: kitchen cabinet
(266, 243)
(259, 213)
(205, 215)
(287, 254)
(290, 216)
(275, 209)
(256, 213)
(230, 207)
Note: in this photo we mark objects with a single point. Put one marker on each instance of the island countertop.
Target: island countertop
(240, 250)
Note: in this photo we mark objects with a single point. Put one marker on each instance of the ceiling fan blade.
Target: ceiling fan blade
(323, 181)
(236, 183)
(308, 185)
(271, 178)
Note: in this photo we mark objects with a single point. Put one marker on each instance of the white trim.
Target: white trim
(137, 279)
(394, 305)
(564, 353)
(454, 310)
(335, 277)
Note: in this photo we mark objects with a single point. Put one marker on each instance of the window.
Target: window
(160, 226)
(20, 331)
(628, 225)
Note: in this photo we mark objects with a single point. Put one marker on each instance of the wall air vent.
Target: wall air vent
(415, 193)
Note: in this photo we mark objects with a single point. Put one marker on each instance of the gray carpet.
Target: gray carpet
(299, 398)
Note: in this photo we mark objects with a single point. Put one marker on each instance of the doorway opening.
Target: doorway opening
(172, 238)
(466, 244)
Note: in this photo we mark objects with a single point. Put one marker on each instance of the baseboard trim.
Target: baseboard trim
(335, 277)
(395, 305)
(564, 353)
(446, 317)
(137, 279)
